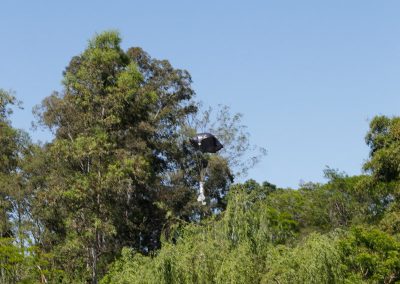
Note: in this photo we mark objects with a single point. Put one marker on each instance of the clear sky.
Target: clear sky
(307, 75)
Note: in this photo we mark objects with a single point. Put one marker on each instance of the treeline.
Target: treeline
(339, 232)
(112, 198)
(119, 172)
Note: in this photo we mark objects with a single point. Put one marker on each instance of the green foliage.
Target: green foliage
(317, 260)
(131, 268)
(120, 170)
(390, 222)
(11, 260)
(383, 138)
(254, 241)
(229, 249)
(20, 264)
(372, 255)
(114, 194)
(337, 203)
(272, 235)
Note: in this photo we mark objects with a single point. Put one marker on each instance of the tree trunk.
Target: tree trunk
(94, 265)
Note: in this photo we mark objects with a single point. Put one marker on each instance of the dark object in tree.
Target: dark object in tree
(206, 143)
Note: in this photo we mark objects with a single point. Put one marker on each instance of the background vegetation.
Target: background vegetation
(112, 198)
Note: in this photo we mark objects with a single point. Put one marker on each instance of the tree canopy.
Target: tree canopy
(112, 197)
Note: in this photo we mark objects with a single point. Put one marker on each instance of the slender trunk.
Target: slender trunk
(3, 275)
(43, 279)
(18, 238)
(97, 245)
(94, 265)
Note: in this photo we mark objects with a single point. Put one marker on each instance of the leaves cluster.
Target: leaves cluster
(118, 173)
(112, 198)
(344, 231)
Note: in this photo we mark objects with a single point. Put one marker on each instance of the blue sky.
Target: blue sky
(307, 75)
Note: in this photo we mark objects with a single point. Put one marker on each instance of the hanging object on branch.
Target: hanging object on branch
(206, 143)
(201, 198)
